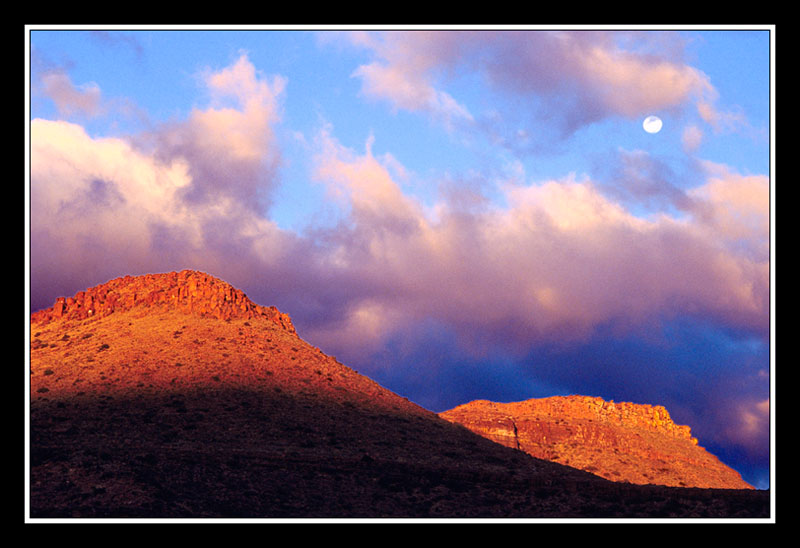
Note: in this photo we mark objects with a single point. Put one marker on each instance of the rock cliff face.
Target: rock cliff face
(188, 291)
(622, 441)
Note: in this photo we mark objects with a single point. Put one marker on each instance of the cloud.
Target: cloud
(404, 75)
(566, 78)
(364, 184)
(734, 210)
(193, 192)
(719, 120)
(116, 39)
(600, 73)
(753, 422)
(638, 180)
(691, 138)
(406, 90)
(712, 379)
(92, 201)
(557, 262)
(230, 146)
(70, 100)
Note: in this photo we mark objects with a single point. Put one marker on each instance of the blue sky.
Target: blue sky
(458, 213)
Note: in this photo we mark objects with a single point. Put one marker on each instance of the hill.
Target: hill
(623, 441)
(175, 396)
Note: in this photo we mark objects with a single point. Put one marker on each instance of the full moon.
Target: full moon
(652, 124)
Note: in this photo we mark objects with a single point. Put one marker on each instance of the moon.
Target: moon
(652, 124)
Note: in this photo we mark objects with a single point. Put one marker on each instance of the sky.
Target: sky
(458, 213)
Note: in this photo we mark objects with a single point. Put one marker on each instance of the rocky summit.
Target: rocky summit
(623, 441)
(188, 291)
(175, 396)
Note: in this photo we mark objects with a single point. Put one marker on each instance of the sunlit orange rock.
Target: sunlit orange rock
(189, 291)
(620, 441)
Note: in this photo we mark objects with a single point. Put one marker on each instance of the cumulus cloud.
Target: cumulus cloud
(230, 146)
(734, 209)
(559, 260)
(186, 193)
(92, 201)
(408, 91)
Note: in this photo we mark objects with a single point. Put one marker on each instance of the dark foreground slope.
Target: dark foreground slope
(162, 409)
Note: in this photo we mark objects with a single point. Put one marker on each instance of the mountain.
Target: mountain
(175, 396)
(624, 441)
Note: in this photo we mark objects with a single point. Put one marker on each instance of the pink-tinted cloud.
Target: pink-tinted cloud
(230, 146)
(740, 419)
(736, 413)
(753, 424)
(85, 100)
(407, 90)
(560, 260)
(735, 208)
(405, 72)
(601, 73)
(691, 138)
(635, 177)
(187, 193)
(587, 75)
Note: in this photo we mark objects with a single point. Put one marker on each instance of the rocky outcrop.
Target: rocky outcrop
(624, 441)
(188, 291)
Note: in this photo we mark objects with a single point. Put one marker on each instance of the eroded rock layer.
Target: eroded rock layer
(188, 291)
(622, 441)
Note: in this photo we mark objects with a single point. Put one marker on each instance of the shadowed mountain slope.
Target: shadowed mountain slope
(173, 395)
